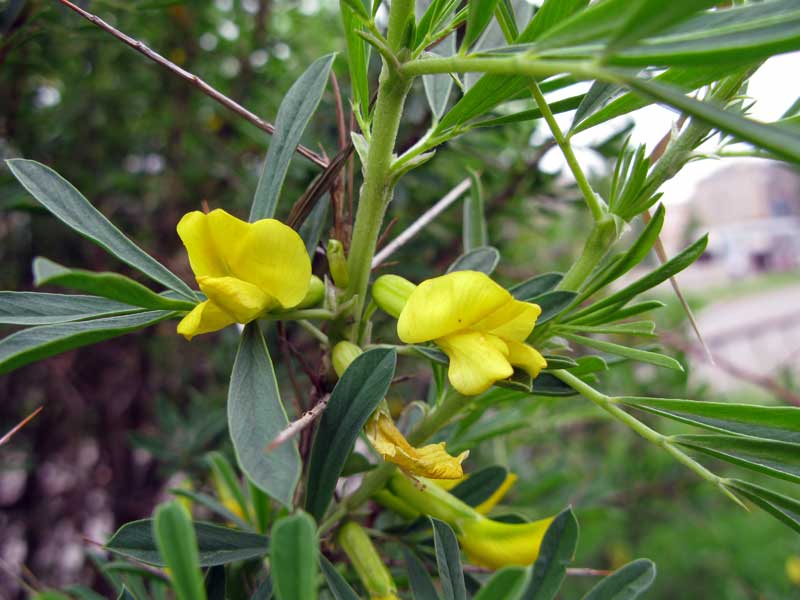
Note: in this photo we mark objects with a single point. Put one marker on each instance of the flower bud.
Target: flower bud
(316, 290)
(343, 354)
(337, 263)
(495, 544)
(391, 292)
(365, 560)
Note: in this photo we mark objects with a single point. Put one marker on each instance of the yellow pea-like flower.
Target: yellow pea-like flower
(244, 269)
(431, 461)
(494, 544)
(479, 325)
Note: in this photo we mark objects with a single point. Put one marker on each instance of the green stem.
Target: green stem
(608, 404)
(307, 313)
(603, 234)
(377, 189)
(593, 201)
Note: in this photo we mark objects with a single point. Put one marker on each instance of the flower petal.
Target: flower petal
(494, 544)
(522, 355)
(195, 234)
(514, 320)
(477, 360)
(488, 504)
(447, 304)
(273, 257)
(241, 300)
(204, 318)
(431, 461)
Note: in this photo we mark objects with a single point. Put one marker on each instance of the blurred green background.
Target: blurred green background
(128, 418)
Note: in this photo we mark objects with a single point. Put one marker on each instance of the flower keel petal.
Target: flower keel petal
(240, 299)
(477, 360)
(204, 318)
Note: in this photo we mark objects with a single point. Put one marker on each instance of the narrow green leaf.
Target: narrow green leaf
(536, 286)
(337, 584)
(646, 17)
(358, 52)
(555, 554)
(61, 198)
(293, 557)
(645, 356)
(211, 504)
(555, 362)
(474, 218)
(438, 87)
(506, 19)
(357, 6)
(177, 545)
(108, 285)
(552, 304)
(264, 590)
(125, 594)
(484, 259)
(215, 583)
(783, 508)
(548, 385)
(36, 308)
(778, 459)
(557, 107)
(594, 22)
(37, 343)
(507, 583)
(355, 397)
(616, 313)
(448, 559)
(419, 580)
(226, 477)
(216, 545)
(480, 486)
(783, 142)
(294, 113)
(640, 328)
(479, 15)
(311, 229)
(627, 583)
(256, 416)
(677, 264)
(781, 423)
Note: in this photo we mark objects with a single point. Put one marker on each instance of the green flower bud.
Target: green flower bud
(368, 564)
(391, 292)
(343, 354)
(316, 290)
(337, 263)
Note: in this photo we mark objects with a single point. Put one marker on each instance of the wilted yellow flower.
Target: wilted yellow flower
(245, 269)
(431, 461)
(479, 325)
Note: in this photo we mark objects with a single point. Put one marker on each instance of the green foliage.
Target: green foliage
(177, 546)
(293, 555)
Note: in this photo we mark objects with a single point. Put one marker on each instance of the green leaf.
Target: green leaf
(256, 416)
(438, 87)
(216, 545)
(781, 423)
(480, 486)
(358, 52)
(177, 545)
(616, 313)
(337, 584)
(506, 19)
(211, 504)
(448, 559)
(536, 286)
(125, 594)
(294, 113)
(646, 17)
(419, 580)
(215, 583)
(355, 397)
(479, 15)
(61, 198)
(474, 218)
(673, 266)
(226, 477)
(645, 356)
(36, 343)
(264, 590)
(783, 508)
(556, 363)
(783, 142)
(293, 557)
(482, 259)
(548, 385)
(357, 6)
(507, 583)
(311, 229)
(36, 308)
(109, 285)
(594, 22)
(778, 459)
(555, 554)
(556, 107)
(627, 583)
(549, 15)
(552, 304)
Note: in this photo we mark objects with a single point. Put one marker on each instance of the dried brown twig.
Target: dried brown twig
(192, 79)
(299, 424)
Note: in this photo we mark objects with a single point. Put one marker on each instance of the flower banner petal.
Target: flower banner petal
(447, 304)
(477, 360)
(195, 234)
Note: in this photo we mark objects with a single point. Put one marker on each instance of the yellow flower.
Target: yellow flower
(431, 461)
(488, 504)
(245, 269)
(494, 544)
(478, 324)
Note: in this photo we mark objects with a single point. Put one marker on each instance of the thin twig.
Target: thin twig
(20, 425)
(584, 572)
(299, 405)
(422, 222)
(300, 424)
(386, 231)
(192, 79)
